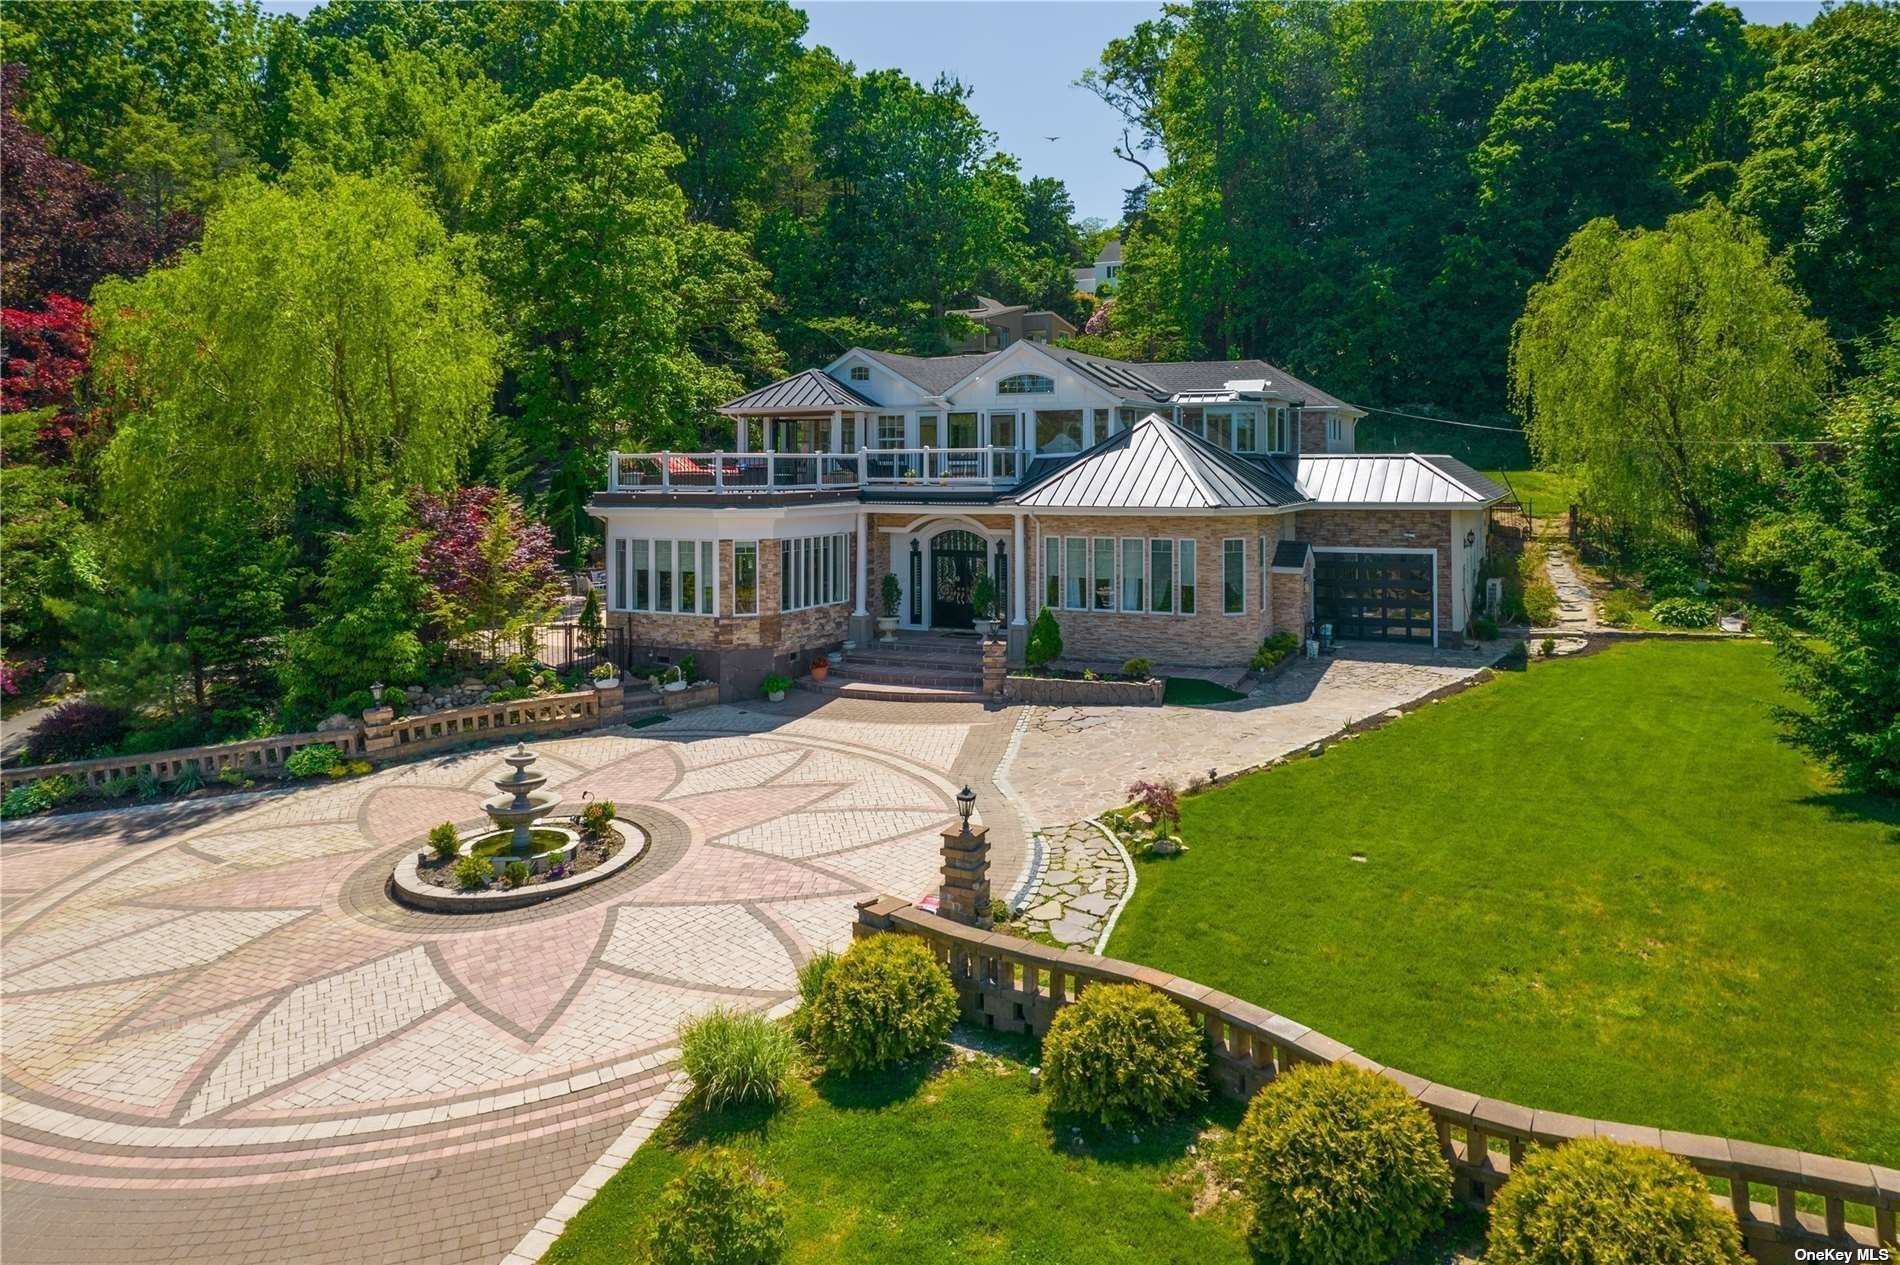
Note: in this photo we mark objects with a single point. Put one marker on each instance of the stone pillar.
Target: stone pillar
(379, 723)
(965, 894)
(995, 665)
(609, 700)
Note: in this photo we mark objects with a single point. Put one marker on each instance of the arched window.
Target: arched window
(1026, 384)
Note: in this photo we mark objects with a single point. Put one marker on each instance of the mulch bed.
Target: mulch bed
(592, 853)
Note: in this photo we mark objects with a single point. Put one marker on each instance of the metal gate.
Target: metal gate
(1376, 596)
(956, 559)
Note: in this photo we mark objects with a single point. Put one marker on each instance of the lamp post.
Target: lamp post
(965, 893)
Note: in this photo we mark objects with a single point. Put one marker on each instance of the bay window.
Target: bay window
(745, 578)
(812, 571)
(666, 577)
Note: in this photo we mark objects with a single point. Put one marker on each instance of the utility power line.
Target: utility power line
(1659, 443)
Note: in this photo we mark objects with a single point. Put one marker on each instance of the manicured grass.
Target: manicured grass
(1600, 886)
(1192, 691)
(959, 1166)
(1549, 492)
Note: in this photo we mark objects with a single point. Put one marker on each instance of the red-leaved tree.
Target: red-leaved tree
(491, 568)
(64, 229)
(43, 357)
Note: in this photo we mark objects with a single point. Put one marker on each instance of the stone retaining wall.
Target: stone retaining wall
(1056, 691)
(1017, 985)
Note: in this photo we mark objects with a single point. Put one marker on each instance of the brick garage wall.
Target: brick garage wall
(1374, 530)
(1292, 600)
(1207, 638)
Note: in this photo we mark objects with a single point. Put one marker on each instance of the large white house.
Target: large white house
(1101, 276)
(1181, 512)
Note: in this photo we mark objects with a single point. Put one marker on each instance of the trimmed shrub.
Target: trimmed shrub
(77, 730)
(1598, 1202)
(811, 982)
(320, 759)
(517, 873)
(472, 873)
(1340, 1167)
(1484, 628)
(720, 1211)
(735, 1057)
(443, 840)
(1045, 640)
(1123, 1054)
(1540, 602)
(886, 999)
(1683, 612)
(1138, 668)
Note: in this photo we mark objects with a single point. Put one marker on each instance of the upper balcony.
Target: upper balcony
(922, 469)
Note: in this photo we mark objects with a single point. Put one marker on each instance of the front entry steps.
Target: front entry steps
(920, 668)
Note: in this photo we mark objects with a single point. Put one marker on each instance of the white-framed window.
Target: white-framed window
(1026, 384)
(1186, 583)
(666, 577)
(1052, 571)
(812, 571)
(745, 577)
(1102, 574)
(890, 430)
(1233, 575)
(1075, 573)
(1059, 430)
(1279, 432)
(1161, 576)
(860, 373)
(1134, 573)
(1335, 433)
(1003, 432)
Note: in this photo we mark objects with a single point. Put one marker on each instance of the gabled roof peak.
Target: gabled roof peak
(1155, 464)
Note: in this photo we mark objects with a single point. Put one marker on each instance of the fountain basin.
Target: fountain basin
(409, 887)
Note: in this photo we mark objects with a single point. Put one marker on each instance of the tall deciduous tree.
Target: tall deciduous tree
(1842, 538)
(329, 335)
(1660, 364)
(490, 569)
(628, 323)
(1825, 175)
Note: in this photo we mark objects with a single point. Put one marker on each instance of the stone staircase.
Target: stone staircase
(922, 667)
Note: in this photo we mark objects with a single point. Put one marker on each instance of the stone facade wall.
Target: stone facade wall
(1207, 638)
(1292, 600)
(1373, 530)
(1312, 431)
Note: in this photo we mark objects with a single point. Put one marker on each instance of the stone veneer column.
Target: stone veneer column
(965, 894)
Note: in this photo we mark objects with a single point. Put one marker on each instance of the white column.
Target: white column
(864, 559)
(1018, 580)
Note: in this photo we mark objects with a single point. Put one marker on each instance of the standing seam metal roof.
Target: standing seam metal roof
(1393, 479)
(1157, 465)
(813, 389)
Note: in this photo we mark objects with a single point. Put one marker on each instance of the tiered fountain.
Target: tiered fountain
(519, 805)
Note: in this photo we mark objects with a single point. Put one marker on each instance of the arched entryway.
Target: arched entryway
(957, 558)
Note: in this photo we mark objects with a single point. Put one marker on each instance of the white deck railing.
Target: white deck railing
(812, 471)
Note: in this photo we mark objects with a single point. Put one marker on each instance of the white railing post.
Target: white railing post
(863, 468)
(719, 470)
(666, 469)
(613, 470)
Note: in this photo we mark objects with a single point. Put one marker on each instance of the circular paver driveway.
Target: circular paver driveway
(208, 1008)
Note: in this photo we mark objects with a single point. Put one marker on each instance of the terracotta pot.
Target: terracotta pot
(820, 669)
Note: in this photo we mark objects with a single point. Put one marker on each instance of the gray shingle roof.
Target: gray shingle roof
(813, 389)
(935, 374)
(1157, 465)
(1393, 479)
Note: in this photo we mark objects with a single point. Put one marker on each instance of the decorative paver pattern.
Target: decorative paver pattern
(223, 1042)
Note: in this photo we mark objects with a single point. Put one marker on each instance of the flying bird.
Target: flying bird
(1052, 138)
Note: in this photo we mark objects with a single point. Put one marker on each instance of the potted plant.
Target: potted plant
(890, 595)
(674, 679)
(605, 676)
(983, 601)
(775, 687)
(820, 667)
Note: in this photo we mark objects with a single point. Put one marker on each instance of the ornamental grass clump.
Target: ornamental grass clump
(1340, 1167)
(1598, 1202)
(735, 1057)
(1123, 1054)
(720, 1211)
(885, 1000)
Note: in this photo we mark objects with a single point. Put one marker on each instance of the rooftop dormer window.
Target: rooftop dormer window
(1026, 384)
(860, 373)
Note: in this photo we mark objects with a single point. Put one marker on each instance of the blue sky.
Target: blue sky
(1023, 59)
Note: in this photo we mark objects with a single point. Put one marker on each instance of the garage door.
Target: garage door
(1383, 596)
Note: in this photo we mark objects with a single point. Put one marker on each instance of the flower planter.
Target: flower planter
(1073, 692)
(776, 696)
(820, 669)
(887, 629)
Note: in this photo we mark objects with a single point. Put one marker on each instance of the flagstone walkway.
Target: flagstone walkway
(223, 1042)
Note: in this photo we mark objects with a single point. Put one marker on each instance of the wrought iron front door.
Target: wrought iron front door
(956, 559)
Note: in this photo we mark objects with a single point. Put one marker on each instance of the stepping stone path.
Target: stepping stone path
(1576, 609)
(1083, 882)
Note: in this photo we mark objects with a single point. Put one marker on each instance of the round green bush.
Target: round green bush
(1123, 1054)
(886, 999)
(735, 1057)
(1598, 1202)
(718, 1212)
(1683, 612)
(1340, 1167)
(317, 760)
(472, 873)
(444, 841)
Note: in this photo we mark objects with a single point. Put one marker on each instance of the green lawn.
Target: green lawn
(1194, 691)
(960, 1166)
(1548, 492)
(1600, 886)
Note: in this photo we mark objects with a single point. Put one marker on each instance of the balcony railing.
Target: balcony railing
(813, 471)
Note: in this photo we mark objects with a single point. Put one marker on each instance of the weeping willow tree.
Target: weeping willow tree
(1662, 366)
(331, 335)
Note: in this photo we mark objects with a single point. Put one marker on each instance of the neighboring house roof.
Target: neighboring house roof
(1083, 274)
(1157, 465)
(1111, 252)
(935, 374)
(986, 306)
(1393, 479)
(813, 390)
